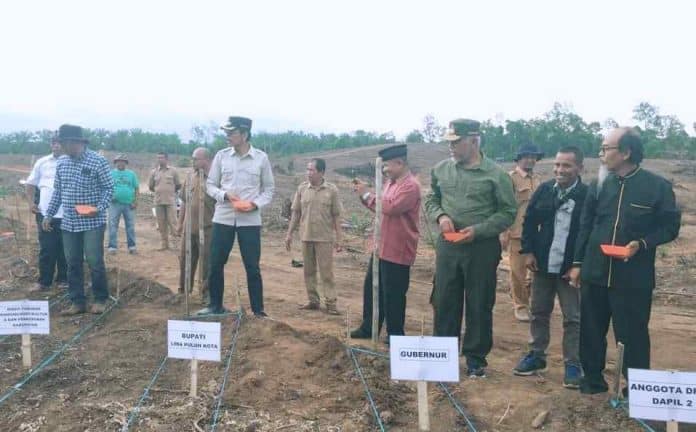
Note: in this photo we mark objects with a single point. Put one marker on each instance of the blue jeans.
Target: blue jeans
(88, 244)
(115, 212)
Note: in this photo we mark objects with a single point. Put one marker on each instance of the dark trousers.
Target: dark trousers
(250, 248)
(465, 278)
(51, 255)
(197, 256)
(628, 308)
(89, 245)
(393, 284)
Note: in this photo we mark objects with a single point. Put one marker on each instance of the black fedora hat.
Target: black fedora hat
(73, 133)
(529, 150)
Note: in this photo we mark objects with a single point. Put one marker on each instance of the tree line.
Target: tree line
(664, 136)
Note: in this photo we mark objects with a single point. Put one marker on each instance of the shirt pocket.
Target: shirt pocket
(523, 193)
(248, 176)
(639, 216)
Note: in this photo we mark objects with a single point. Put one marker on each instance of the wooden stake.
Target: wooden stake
(201, 230)
(619, 368)
(375, 254)
(423, 414)
(238, 294)
(194, 378)
(672, 426)
(187, 240)
(26, 350)
(348, 325)
(118, 282)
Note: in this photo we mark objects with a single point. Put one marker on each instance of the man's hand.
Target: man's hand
(288, 242)
(134, 205)
(468, 235)
(446, 224)
(633, 248)
(46, 224)
(34, 209)
(531, 263)
(504, 240)
(231, 197)
(92, 213)
(573, 277)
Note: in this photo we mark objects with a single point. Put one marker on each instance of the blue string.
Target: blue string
(621, 404)
(218, 398)
(375, 412)
(136, 410)
(52, 357)
(457, 406)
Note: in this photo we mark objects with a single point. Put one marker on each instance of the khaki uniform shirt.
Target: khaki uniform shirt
(192, 186)
(164, 182)
(525, 184)
(318, 207)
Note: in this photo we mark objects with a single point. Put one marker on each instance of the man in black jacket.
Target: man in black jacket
(548, 239)
(632, 207)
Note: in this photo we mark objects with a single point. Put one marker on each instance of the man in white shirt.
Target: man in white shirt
(51, 255)
(241, 182)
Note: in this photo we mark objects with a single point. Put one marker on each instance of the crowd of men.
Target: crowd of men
(553, 232)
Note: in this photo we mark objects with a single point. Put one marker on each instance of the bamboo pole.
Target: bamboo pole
(201, 231)
(187, 240)
(26, 350)
(194, 378)
(422, 389)
(375, 254)
(619, 369)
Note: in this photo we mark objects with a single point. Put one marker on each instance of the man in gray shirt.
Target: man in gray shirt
(241, 182)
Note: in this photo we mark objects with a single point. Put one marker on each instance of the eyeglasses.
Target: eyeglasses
(605, 149)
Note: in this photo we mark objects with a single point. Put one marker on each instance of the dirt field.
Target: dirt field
(293, 372)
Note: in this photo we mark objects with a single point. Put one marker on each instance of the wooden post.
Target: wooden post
(238, 294)
(348, 325)
(375, 254)
(194, 378)
(619, 368)
(36, 191)
(118, 282)
(422, 388)
(26, 350)
(672, 426)
(187, 240)
(201, 231)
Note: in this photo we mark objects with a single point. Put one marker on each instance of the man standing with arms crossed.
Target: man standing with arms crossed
(241, 181)
(472, 198)
(316, 209)
(164, 182)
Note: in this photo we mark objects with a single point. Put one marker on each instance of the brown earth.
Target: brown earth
(292, 372)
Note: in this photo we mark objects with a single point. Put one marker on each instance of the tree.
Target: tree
(415, 136)
(432, 131)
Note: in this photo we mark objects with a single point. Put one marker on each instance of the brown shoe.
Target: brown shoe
(74, 310)
(331, 309)
(309, 306)
(97, 308)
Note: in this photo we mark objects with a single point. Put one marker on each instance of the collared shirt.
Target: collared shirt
(164, 182)
(399, 232)
(318, 209)
(85, 180)
(481, 197)
(249, 177)
(562, 221)
(192, 186)
(525, 184)
(42, 176)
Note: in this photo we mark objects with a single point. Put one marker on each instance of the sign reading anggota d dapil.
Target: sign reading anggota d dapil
(662, 395)
(424, 358)
(193, 340)
(24, 317)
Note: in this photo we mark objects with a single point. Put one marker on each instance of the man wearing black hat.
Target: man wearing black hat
(241, 181)
(472, 200)
(124, 202)
(83, 180)
(399, 233)
(631, 207)
(525, 181)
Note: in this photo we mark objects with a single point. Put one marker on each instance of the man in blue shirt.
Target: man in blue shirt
(83, 178)
(124, 202)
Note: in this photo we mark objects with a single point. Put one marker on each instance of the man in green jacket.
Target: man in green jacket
(632, 207)
(472, 198)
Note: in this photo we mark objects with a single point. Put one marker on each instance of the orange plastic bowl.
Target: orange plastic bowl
(84, 209)
(614, 251)
(453, 236)
(243, 206)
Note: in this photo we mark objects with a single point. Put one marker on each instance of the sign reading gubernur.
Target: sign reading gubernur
(424, 358)
(193, 340)
(662, 395)
(24, 317)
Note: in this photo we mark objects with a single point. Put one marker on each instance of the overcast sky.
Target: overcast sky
(339, 66)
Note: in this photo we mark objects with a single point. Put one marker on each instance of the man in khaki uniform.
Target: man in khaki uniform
(192, 186)
(316, 210)
(164, 182)
(525, 182)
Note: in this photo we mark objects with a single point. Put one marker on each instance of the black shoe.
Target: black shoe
(593, 385)
(261, 314)
(360, 333)
(475, 369)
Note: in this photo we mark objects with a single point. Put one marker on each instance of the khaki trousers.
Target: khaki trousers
(166, 215)
(520, 277)
(319, 255)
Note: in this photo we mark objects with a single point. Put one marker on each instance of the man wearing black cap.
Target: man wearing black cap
(241, 182)
(83, 180)
(525, 181)
(472, 200)
(401, 200)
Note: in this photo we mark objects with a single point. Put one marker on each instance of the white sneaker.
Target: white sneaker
(113, 251)
(522, 314)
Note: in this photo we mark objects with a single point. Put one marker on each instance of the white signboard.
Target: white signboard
(193, 340)
(424, 358)
(24, 317)
(662, 395)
